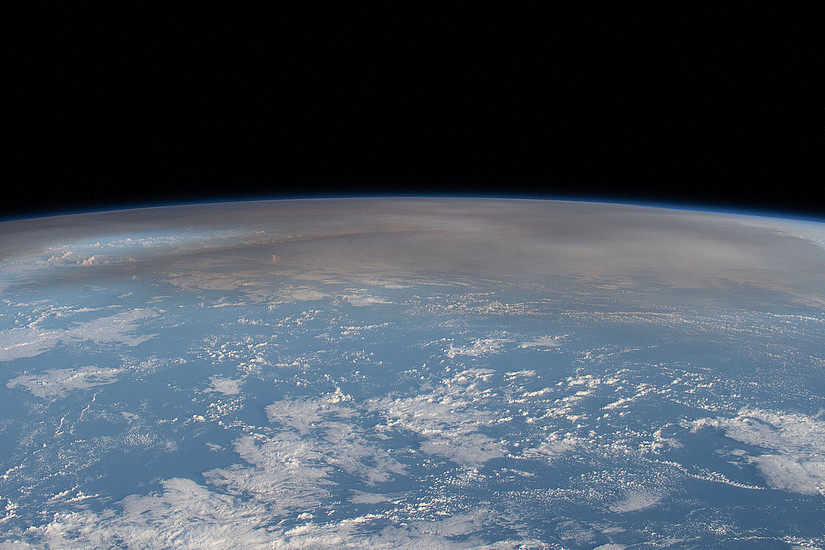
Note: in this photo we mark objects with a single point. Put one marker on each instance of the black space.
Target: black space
(139, 104)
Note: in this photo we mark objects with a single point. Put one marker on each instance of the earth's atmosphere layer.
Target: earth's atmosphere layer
(427, 373)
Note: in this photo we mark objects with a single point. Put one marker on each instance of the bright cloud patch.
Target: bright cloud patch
(187, 515)
(17, 343)
(322, 423)
(30, 341)
(796, 443)
(554, 447)
(117, 329)
(483, 346)
(225, 386)
(284, 295)
(543, 342)
(636, 500)
(58, 382)
(362, 299)
(449, 418)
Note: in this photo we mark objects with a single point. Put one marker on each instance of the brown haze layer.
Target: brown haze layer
(729, 257)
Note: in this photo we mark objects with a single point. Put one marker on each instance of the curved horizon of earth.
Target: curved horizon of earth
(419, 373)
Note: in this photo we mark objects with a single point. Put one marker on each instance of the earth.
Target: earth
(416, 373)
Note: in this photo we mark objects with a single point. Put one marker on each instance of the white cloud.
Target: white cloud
(483, 346)
(319, 421)
(57, 382)
(15, 545)
(225, 386)
(543, 342)
(449, 418)
(207, 281)
(284, 295)
(556, 445)
(790, 474)
(269, 501)
(187, 515)
(72, 258)
(796, 442)
(393, 285)
(514, 374)
(360, 497)
(284, 471)
(638, 499)
(468, 450)
(302, 294)
(443, 533)
(183, 515)
(361, 300)
(17, 343)
(117, 328)
(30, 341)
(304, 414)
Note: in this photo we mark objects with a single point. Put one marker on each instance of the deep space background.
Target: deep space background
(140, 104)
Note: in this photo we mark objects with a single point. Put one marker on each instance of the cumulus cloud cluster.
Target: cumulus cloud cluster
(225, 386)
(794, 444)
(30, 341)
(449, 418)
(482, 346)
(271, 498)
(57, 382)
